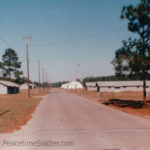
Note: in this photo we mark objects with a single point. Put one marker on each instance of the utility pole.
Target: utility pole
(78, 65)
(46, 81)
(39, 76)
(27, 38)
(46, 77)
(43, 74)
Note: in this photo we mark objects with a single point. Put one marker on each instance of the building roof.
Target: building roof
(32, 84)
(26, 84)
(8, 83)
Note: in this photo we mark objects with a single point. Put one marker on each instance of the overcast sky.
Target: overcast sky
(64, 33)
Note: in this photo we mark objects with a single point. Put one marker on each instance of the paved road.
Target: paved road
(65, 121)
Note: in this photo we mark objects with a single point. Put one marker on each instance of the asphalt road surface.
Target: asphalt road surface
(64, 121)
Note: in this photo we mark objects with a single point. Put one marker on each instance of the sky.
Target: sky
(64, 33)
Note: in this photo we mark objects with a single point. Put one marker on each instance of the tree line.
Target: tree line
(58, 84)
(112, 78)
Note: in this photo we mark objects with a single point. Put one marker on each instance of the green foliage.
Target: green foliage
(11, 65)
(21, 80)
(109, 78)
(36, 83)
(138, 17)
(133, 58)
(58, 84)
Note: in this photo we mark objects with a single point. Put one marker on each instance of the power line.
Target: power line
(6, 42)
(82, 39)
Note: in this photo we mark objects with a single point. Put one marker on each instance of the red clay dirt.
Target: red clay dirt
(17, 109)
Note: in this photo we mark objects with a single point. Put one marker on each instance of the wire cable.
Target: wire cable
(80, 39)
(6, 42)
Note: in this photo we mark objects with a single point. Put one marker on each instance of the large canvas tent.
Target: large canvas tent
(72, 85)
(75, 85)
(65, 86)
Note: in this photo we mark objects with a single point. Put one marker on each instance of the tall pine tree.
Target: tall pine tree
(133, 57)
(10, 64)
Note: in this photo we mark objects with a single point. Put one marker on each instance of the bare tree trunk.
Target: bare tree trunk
(10, 75)
(144, 91)
(144, 81)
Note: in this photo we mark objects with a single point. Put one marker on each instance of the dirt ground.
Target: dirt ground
(16, 109)
(130, 102)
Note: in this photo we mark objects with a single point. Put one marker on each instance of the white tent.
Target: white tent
(66, 85)
(62, 86)
(75, 85)
(72, 85)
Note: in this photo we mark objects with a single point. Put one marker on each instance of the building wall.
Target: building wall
(148, 89)
(122, 89)
(24, 87)
(117, 89)
(105, 89)
(3, 89)
(118, 86)
(92, 88)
